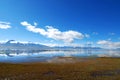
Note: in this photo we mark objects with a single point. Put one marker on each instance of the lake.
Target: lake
(48, 55)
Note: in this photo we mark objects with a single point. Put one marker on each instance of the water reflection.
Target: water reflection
(46, 55)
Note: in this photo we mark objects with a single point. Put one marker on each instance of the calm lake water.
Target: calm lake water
(47, 55)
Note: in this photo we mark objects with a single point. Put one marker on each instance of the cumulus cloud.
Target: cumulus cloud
(4, 25)
(109, 44)
(54, 33)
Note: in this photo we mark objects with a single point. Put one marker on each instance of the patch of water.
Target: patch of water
(48, 55)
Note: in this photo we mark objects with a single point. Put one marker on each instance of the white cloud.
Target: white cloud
(103, 42)
(87, 35)
(54, 33)
(89, 42)
(4, 25)
(3, 41)
(62, 45)
(109, 44)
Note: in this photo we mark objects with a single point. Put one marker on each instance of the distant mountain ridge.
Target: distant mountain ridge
(12, 45)
(21, 46)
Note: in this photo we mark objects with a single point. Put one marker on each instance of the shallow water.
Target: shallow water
(48, 55)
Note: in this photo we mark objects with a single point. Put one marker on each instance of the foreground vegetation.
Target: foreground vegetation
(90, 69)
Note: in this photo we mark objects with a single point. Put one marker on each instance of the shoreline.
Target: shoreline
(92, 69)
(63, 60)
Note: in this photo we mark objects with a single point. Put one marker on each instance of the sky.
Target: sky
(61, 22)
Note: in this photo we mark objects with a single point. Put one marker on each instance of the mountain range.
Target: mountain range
(10, 45)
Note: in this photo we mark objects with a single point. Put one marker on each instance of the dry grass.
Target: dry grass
(92, 69)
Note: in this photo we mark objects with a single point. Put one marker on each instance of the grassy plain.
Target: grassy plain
(90, 69)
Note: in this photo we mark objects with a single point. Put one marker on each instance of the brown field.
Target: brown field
(82, 69)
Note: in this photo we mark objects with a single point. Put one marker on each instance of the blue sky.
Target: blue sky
(63, 22)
